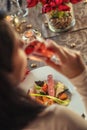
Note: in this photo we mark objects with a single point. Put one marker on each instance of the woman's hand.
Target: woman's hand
(71, 64)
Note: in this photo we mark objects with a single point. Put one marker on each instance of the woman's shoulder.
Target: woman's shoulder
(58, 117)
(53, 109)
(46, 119)
(51, 114)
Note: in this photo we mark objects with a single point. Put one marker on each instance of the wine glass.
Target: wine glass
(22, 9)
(19, 5)
(37, 48)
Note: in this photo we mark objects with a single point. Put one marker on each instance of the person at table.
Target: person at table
(19, 111)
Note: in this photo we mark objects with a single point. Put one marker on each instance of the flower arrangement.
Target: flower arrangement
(49, 5)
(59, 13)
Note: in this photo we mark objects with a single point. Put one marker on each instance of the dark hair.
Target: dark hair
(7, 39)
(17, 109)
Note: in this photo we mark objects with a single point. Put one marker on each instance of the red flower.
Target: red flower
(53, 5)
(49, 5)
(31, 3)
(46, 1)
(58, 2)
(63, 8)
(75, 1)
(43, 1)
(46, 8)
(66, 1)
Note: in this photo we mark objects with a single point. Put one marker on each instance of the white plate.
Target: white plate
(41, 73)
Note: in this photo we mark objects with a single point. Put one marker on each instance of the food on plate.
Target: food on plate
(28, 33)
(50, 91)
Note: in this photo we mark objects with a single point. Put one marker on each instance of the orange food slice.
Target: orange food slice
(63, 96)
(28, 34)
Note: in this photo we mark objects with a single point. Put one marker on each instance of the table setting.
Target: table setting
(41, 73)
(30, 22)
(75, 38)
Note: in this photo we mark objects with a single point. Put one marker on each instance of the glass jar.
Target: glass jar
(60, 21)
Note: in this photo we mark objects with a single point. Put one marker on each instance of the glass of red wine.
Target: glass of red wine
(37, 47)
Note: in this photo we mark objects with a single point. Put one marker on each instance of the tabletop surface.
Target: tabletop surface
(77, 35)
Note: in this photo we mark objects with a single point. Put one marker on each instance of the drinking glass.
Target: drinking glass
(19, 7)
(37, 47)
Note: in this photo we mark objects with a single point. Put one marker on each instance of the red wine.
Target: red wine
(38, 48)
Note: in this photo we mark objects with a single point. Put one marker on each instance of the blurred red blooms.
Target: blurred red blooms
(58, 2)
(64, 8)
(75, 1)
(43, 1)
(49, 5)
(31, 3)
(46, 8)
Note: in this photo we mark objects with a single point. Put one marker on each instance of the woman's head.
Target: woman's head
(12, 57)
(16, 108)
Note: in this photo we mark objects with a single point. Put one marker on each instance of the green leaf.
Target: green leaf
(57, 14)
(37, 87)
(61, 102)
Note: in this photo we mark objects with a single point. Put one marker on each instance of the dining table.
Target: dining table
(75, 38)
